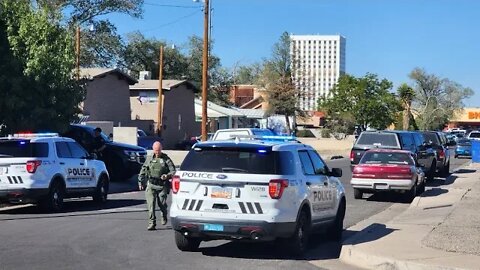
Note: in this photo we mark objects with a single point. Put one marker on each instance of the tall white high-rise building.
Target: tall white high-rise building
(319, 61)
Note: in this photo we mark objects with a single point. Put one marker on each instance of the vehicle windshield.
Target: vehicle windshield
(474, 135)
(378, 139)
(23, 148)
(386, 158)
(464, 142)
(239, 160)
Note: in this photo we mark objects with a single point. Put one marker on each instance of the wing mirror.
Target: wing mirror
(336, 172)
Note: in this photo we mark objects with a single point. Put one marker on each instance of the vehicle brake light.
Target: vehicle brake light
(352, 156)
(276, 187)
(175, 184)
(32, 165)
(441, 153)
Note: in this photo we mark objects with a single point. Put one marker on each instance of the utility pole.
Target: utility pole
(160, 93)
(77, 50)
(206, 11)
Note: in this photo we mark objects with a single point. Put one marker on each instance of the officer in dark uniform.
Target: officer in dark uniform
(98, 143)
(154, 178)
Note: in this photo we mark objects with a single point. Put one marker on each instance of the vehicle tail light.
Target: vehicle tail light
(441, 154)
(352, 156)
(276, 187)
(175, 184)
(32, 165)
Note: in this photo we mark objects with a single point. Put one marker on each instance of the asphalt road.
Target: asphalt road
(115, 237)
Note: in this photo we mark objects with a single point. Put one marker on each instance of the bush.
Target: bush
(326, 133)
(305, 133)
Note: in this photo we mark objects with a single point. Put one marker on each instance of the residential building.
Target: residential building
(248, 96)
(178, 121)
(107, 95)
(318, 62)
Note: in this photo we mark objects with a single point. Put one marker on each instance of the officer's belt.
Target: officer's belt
(156, 181)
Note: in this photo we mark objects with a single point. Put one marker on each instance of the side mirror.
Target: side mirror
(336, 172)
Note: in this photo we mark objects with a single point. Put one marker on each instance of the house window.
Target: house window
(148, 96)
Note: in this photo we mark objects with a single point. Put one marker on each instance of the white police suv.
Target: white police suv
(45, 169)
(265, 189)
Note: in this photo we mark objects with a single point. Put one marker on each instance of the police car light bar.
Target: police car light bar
(265, 137)
(33, 135)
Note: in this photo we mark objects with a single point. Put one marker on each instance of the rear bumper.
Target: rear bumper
(22, 195)
(233, 229)
(382, 184)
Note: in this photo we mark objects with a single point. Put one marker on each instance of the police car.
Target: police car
(46, 168)
(262, 189)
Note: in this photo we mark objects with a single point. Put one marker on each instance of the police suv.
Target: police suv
(267, 189)
(45, 169)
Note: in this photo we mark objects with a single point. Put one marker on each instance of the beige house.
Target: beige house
(107, 96)
(178, 109)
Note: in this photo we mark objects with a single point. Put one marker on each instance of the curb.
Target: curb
(368, 259)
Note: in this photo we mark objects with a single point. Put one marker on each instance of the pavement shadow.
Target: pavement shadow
(465, 171)
(320, 248)
(434, 192)
(437, 182)
(74, 207)
(371, 233)
(387, 196)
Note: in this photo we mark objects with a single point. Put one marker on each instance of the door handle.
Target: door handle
(308, 183)
(62, 163)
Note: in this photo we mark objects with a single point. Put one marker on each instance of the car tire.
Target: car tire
(186, 243)
(298, 243)
(456, 156)
(431, 172)
(412, 193)
(335, 232)
(446, 170)
(357, 193)
(54, 200)
(101, 192)
(421, 188)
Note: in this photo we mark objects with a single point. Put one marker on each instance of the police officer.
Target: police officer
(98, 143)
(154, 179)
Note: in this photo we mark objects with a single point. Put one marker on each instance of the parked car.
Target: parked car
(474, 135)
(402, 140)
(463, 148)
(122, 160)
(388, 170)
(441, 145)
(228, 134)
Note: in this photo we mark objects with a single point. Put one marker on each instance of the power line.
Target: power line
(172, 6)
(172, 22)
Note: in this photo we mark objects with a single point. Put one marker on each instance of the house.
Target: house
(248, 97)
(178, 121)
(107, 97)
(219, 117)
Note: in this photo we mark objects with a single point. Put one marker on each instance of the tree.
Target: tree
(143, 54)
(42, 93)
(276, 78)
(436, 99)
(246, 74)
(406, 95)
(366, 101)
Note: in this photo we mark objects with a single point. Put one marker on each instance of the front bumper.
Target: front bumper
(233, 229)
(22, 195)
(382, 184)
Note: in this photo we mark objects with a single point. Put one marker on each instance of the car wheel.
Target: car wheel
(357, 193)
(54, 200)
(335, 232)
(421, 188)
(297, 244)
(411, 194)
(101, 192)
(186, 243)
(446, 170)
(431, 172)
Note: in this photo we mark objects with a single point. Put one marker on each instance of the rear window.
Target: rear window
(226, 135)
(431, 137)
(23, 148)
(464, 142)
(239, 160)
(378, 139)
(386, 158)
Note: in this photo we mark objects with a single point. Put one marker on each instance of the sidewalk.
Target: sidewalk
(439, 230)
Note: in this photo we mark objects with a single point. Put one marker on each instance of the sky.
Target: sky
(386, 37)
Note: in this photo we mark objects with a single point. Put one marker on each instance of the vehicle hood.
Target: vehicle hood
(124, 146)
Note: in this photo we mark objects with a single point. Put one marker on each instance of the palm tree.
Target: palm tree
(406, 95)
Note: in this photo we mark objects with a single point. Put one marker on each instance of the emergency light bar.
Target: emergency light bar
(265, 138)
(33, 135)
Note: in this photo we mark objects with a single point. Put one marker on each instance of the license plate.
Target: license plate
(381, 186)
(213, 227)
(224, 193)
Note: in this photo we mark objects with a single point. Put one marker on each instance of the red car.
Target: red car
(388, 170)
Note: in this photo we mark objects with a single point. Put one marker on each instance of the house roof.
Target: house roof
(166, 85)
(256, 102)
(92, 73)
(214, 110)
(253, 113)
